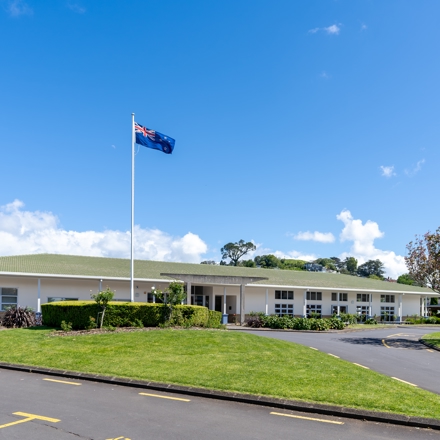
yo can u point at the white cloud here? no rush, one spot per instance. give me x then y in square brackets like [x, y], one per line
[18, 7]
[324, 75]
[363, 235]
[31, 232]
[75, 7]
[416, 169]
[364, 27]
[295, 255]
[322, 237]
[388, 171]
[334, 29]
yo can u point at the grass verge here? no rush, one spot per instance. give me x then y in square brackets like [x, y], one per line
[231, 361]
[432, 338]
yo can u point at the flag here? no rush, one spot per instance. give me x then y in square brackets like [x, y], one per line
[153, 139]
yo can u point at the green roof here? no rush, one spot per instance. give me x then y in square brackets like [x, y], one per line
[99, 267]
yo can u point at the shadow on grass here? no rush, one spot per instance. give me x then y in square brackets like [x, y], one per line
[392, 343]
[39, 328]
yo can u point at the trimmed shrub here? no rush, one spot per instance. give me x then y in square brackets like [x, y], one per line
[120, 314]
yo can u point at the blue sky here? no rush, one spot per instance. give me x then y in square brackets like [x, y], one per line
[308, 127]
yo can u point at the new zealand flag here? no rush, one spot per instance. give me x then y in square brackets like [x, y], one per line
[153, 139]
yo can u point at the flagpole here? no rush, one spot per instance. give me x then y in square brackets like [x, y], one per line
[132, 210]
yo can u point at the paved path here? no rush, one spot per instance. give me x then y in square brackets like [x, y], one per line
[395, 352]
[38, 407]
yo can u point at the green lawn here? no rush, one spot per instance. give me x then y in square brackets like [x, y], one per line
[432, 338]
[222, 360]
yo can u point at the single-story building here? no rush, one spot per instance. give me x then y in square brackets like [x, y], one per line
[30, 280]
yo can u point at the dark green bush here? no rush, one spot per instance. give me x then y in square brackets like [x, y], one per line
[120, 314]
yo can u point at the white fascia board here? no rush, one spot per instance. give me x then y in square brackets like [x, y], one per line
[81, 277]
[342, 289]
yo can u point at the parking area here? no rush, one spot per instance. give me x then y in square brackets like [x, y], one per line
[39, 407]
[395, 352]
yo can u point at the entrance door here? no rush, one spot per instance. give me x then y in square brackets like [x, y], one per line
[218, 303]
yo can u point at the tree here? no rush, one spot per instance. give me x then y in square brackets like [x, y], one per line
[328, 263]
[102, 299]
[175, 294]
[350, 264]
[406, 278]
[423, 260]
[248, 263]
[234, 251]
[212, 262]
[267, 261]
[371, 267]
[291, 264]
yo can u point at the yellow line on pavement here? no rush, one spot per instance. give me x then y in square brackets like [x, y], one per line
[63, 381]
[359, 365]
[431, 351]
[397, 334]
[307, 418]
[404, 381]
[384, 343]
[313, 348]
[333, 355]
[164, 397]
[28, 418]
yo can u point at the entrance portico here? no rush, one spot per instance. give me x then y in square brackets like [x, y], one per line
[210, 280]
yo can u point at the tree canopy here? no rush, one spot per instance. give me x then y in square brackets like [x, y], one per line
[234, 251]
[371, 267]
[423, 260]
[267, 261]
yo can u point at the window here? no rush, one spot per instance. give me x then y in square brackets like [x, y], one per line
[283, 294]
[314, 296]
[342, 309]
[387, 313]
[284, 309]
[387, 298]
[313, 308]
[363, 297]
[52, 299]
[8, 297]
[342, 296]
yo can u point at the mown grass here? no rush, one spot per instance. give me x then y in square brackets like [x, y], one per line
[432, 338]
[221, 360]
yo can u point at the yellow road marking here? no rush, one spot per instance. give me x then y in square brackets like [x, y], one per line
[28, 418]
[384, 343]
[397, 334]
[119, 438]
[431, 351]
[313, 348]
[164, 397]
[359, 365]
[63, 381]
[404, 381]
[333, 355]
[307, 418]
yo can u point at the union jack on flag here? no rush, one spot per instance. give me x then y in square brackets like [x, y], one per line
[153, 139]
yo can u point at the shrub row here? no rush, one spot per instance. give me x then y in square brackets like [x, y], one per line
[287, 322]
[422, 320]
[119, 314]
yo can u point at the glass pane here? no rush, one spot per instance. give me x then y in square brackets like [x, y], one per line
[9, 291]
[9, 299]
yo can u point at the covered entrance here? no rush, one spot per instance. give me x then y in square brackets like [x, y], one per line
[197, 296]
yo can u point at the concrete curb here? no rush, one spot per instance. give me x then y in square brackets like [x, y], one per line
[293, 405]
[434, 347]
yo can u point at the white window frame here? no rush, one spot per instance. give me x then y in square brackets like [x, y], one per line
[390, 313]
[360, 297]
[10, 295]
[387, 299]
[314, 296]
[284, 295]
[282, 309]
[313, 308]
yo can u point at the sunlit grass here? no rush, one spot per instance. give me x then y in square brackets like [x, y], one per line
[221, 360]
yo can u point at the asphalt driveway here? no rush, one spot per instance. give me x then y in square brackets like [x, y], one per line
[394, 352]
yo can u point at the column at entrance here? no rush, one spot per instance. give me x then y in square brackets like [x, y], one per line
[188, 293]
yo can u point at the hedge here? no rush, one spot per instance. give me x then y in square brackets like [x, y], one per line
[125, 314]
